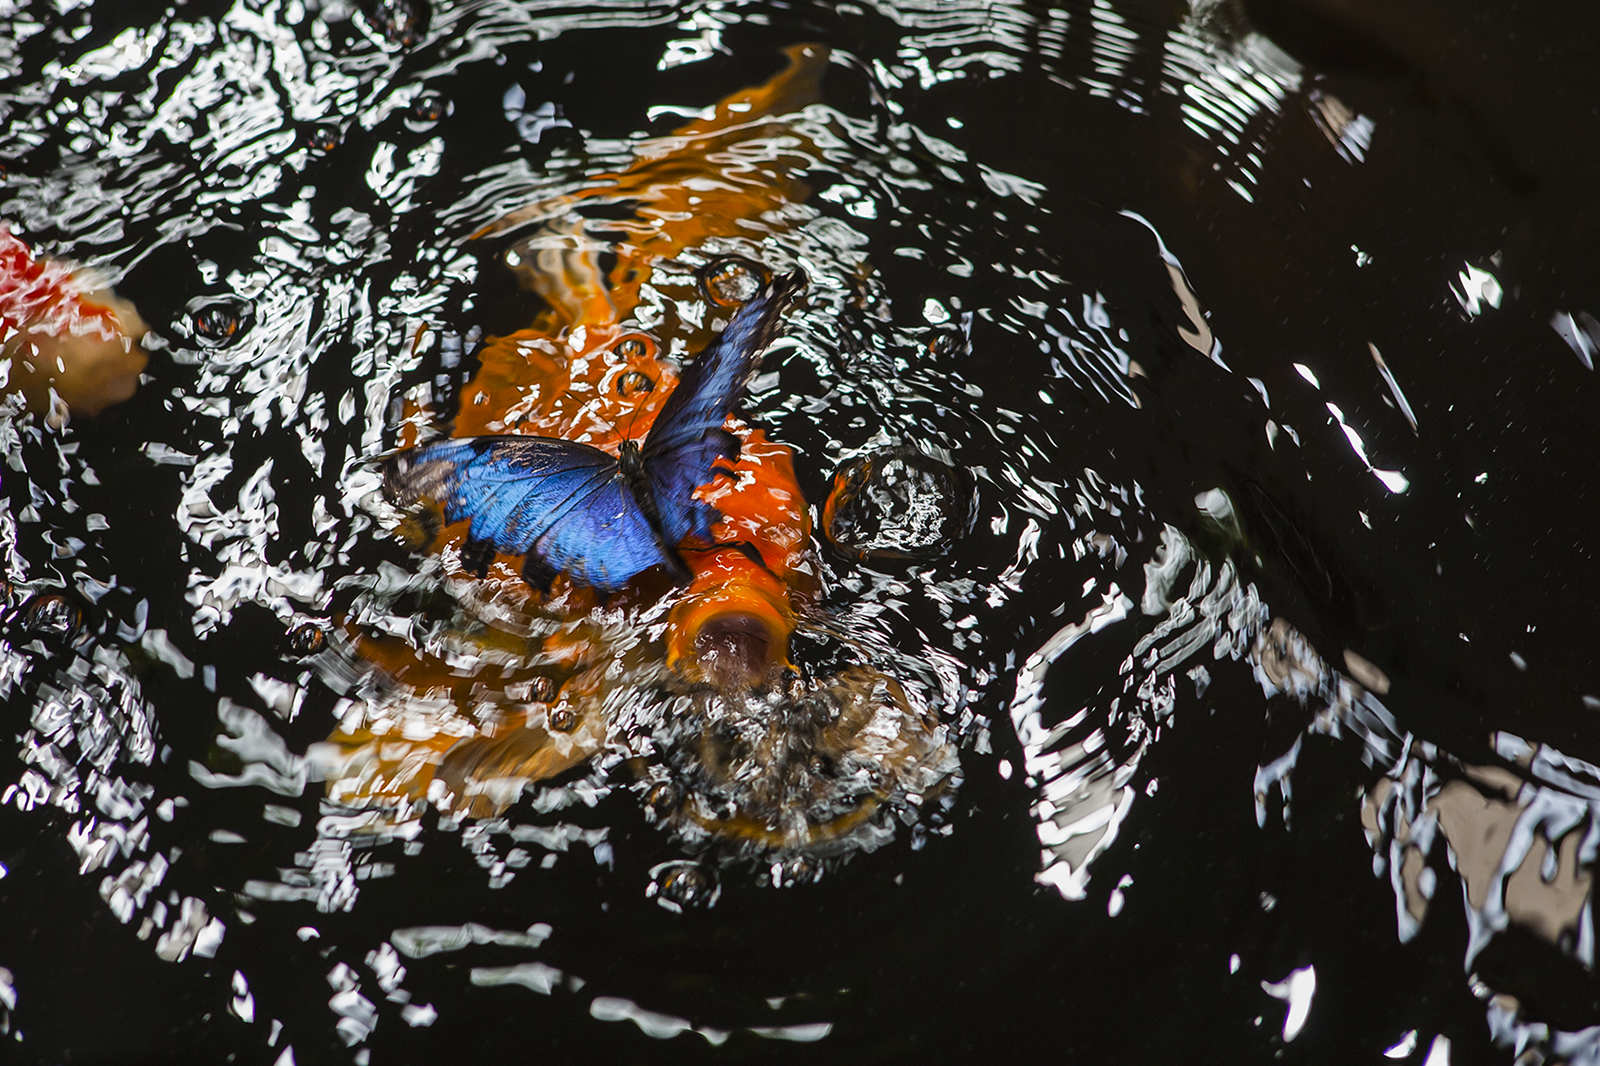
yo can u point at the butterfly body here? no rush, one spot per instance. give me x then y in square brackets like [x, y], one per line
[631, 467]
[569, 507]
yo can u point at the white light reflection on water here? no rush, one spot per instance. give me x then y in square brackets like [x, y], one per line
[1392, 480]
[1113, 47]
[954, 35]
[1199, 337]
[1394, 386]
[1582, 334]
[1403, 1047]
[1520, 837]
[1233, 84]
[1084, 793]
[1296, 990]
[1475, 289]
[1349, 133]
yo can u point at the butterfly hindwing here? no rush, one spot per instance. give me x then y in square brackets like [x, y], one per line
[605, 541]
[675, 475]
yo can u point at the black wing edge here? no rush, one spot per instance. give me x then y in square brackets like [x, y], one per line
[412, 475]
[768, 307]
[428, 472]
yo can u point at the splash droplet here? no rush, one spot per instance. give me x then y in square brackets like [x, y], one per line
[896, 503]
[562, 719]
[798, 870]
[401, 22]
[730, 281]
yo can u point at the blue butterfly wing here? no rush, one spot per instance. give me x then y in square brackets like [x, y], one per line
[560, 503]
[687, 437]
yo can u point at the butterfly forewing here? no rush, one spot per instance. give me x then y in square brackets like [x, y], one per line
[687, 438]
[713, 383]
[560, 500]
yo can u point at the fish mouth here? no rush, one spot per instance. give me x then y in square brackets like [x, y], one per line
[737, 646]
[731, 634]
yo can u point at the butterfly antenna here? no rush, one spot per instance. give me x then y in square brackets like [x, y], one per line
[633, 418]
[592, 409]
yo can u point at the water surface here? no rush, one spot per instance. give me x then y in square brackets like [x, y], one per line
[1261, 338]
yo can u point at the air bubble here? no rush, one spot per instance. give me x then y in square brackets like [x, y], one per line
[663, 798]
[633, 383]
[683, 886]
[322, 137]
[306, 639]
[730, 281]
[630, 348]
[52, 617]
[948, 344]
[426, 110]
[219, 323]
[897, 503]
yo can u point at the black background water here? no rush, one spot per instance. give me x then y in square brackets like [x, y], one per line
[1483, 152]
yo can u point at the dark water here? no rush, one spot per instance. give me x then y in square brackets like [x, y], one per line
[1261, 332]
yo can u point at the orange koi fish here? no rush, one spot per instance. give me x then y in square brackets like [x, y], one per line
[592, 368]
[583, 372]
[67, 344]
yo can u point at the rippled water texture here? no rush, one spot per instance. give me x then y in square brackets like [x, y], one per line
[1184, 640]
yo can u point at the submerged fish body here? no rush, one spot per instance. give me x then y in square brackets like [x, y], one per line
[67, 344]
[754, 753]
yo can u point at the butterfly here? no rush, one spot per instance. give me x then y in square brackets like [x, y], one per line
[570, 508]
